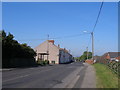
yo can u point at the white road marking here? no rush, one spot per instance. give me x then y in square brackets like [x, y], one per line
[16, 78]
[25, 75]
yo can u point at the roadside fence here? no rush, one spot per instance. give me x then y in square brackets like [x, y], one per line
[112, 64]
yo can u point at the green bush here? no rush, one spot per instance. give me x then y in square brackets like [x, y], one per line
[46, 62]
[42, 63]
[12, 49]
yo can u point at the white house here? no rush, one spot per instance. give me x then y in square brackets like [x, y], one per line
[49, 51]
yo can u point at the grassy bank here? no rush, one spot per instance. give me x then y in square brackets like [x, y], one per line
[105, 77]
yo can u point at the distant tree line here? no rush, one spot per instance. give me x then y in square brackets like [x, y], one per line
[84, 56]
[13, 52]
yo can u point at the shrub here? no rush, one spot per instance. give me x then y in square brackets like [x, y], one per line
[46, 62]
[42, 62]
[12, 49]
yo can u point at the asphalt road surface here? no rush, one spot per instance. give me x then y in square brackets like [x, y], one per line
[74, 75]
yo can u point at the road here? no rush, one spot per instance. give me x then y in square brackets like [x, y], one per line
[74, 75]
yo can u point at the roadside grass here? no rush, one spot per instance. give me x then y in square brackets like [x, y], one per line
[105, 77]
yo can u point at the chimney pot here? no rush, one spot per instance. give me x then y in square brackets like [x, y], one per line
[51, 41]
[59, 45]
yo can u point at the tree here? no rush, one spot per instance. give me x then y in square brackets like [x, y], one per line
[77, 58]
[3, 34]
[84, 56]
[11, 49]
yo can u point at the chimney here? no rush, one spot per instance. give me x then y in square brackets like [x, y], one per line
[51, 41]
[59, 45]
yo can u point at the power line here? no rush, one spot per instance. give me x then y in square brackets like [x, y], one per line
[69, 36]
[98, 16]
[92, 33]
[30, 39]
[76, 34]
[97, 19]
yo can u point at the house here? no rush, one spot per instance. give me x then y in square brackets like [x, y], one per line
[97, 58]
[118, 58]
[49, 51]
[112, 56]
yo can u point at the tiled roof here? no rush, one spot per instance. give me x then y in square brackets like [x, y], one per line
[118, 57]
[64, 50]
[114, 54]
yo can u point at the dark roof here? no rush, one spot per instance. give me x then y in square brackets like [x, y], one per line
[114, 54]
[97, 57]
[64, 50]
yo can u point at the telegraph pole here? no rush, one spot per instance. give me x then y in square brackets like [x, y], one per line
[87, 53]
[92, 45]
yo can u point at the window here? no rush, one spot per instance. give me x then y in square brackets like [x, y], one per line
[53, 62]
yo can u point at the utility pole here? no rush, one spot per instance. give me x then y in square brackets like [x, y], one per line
[47, 46]
[87, 53]
[92, 45]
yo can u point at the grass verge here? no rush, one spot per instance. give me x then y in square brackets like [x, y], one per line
[105, 77]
